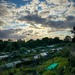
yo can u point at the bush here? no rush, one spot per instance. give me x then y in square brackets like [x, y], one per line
[60, 70]
[66, 52]
[49, 72]
[73, 70]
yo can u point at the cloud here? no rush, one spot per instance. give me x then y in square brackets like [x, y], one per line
[47, 22]
[59, 2]
[33, 14]
[57, 15]
[3, 10]
[2, 23]
[70, 18]
[25, 0]
[6, 14]
[34, 18]
[11, 34]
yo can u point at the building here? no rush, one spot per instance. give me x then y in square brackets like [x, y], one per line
[36, 57]
[25, 59]
[44, 54]
[12, 64]
[51, 46]
[3, 56]
[58, 49]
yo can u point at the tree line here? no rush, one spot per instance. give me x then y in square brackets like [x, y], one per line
[10, 45]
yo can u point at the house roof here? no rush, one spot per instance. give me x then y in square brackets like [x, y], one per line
[4, 56]
[28, 50]
[51, 46]
[36, 57]
[59, 48]
[9, 64]
[53, 49]
[16, 62]
[12, 64]
[43, 54]
[25, 59]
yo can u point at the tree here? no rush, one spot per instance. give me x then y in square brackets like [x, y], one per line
[9, 40]
[67, 39]
[1, 45]
[21, 43]
[22, 49]
[45, 40]
[65, 52]
[50, 41]
[73, 31]
[8, 47]
[56, 40]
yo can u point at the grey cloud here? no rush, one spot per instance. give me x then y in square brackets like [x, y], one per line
[16, 36]
[69, 18]
[54, 30]
[46, 12]
[27, 11]
[2, 23]
[10, 34]
[5, 33]
[30, 31]
[28, 34]
[34, 26]
[3, 10]
[17, 30]
[37, 33]
[33, 18]
[47, 22]
[52, 5]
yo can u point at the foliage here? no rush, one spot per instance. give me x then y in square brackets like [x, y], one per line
[65, 67]
[22, 45]
[23, 49]
[65, 52]
[61, 61]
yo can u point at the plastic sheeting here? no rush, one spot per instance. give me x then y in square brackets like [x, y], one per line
[52, 67]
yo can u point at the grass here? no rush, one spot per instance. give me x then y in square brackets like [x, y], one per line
[60, 60]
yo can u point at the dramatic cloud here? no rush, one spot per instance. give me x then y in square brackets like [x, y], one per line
[47, 22]
[27, 19]
[2, 23]
[33, 18]
[3, 10]
[11, 34]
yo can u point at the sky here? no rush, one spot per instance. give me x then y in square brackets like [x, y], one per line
[36, 19]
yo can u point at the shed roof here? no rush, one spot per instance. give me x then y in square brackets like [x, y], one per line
[25, 59]
[52, 67]
[36, 57]
[43, 54]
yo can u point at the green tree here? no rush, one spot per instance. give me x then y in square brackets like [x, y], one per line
[67, 39]
[73, 31]
[56, 40]
[8, 47]
[45, 40]
[23, 49]
[65, 52]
